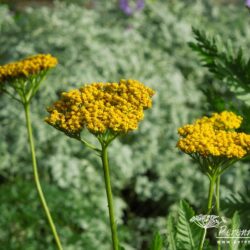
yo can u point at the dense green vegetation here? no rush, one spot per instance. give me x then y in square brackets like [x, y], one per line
[149, 174]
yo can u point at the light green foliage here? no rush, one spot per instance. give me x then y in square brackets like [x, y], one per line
[24, 226]
[147, 171]
[238, 202]
[185, 235]
[234, 245]
[171, 233]
[236, 226]
[188, 234]
[157, 243]
[223, 61]
[229, 63]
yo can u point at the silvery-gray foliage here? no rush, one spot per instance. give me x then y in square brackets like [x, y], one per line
[101, 44]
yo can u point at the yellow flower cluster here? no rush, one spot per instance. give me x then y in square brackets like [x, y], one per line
[100, 107]
[27, 67]
[215, 136]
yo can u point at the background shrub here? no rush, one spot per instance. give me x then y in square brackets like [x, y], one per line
[149, 175]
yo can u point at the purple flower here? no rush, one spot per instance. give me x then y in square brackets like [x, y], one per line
[140, 4]
[248, 3]
[126, 8]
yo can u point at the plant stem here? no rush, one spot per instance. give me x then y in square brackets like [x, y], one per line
[218, 195]
[209, 208]
[104, 156]
[89, 145]
[203, 239]
[218, 201]
[210, 194]
[36, 177]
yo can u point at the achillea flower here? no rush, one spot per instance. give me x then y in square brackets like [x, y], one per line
[27, 67]
[101, 107]
[106, 110]
[21, 80]
[215, 145]
[215, 137]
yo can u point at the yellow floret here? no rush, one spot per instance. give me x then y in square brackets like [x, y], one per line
[27, 67]
[102, 106]
[215, 136]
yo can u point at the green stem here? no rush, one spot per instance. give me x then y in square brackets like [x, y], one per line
[218, 200]
[104, 156]
[209, 208]
[210, 194]
[89, 145]
[36, 177]
[203, 239]
[218, 195]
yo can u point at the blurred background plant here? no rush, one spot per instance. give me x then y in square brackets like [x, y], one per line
[97, 41]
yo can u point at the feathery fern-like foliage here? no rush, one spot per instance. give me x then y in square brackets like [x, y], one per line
[223, 60]
[229, 86]
[185, 235]
[238, 202]
[188, 234]
[171, 233]
[157, 243]
[235, 225]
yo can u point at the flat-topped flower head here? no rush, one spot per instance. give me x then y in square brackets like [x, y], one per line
[27, 67]
[226, 120]
[215, 136]
[101, 107]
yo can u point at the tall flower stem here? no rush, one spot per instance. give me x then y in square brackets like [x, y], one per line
[218, 195]
[209, 207]
[218, 200]
[36, 177]
[105, 163]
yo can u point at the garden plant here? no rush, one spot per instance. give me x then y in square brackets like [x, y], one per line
[21, 80]
[153, 172]
[215, 145]
[107, 110]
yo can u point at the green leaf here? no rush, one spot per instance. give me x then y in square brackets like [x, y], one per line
[188, 234]
[171, 233]
[224, 61]
[121, 247]
[233, 243]
[238, 202]
[235, 226]
[157, 243]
